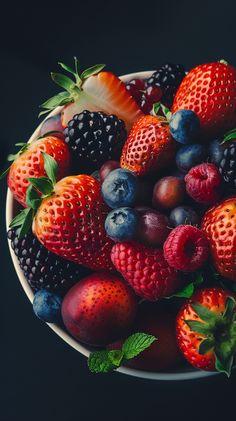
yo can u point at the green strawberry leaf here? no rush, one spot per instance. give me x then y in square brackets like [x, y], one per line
[5, 173]
[42, 184]
[137, 343]
[205, 346]
[23, 220]
[92, 71]
[230, 306]
[229, 136]
[99, 362]
[198, 327]
[156, 108]
[67, 68]
[204, 313]
[189, 289]
[63, 81]
[224, 366]
[223, 61]
[19, 219]
[55, 101]
[32, 198]
[51, 167]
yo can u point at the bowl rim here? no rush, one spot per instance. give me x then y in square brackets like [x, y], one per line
[188, 374]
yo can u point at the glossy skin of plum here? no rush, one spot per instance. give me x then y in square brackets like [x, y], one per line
[183, 215]
[168, 193]
[99, 309]
[153, 227]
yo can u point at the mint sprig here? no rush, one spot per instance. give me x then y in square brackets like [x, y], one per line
[71, 86]
[105, 361]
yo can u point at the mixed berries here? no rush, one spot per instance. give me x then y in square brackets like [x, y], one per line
[128, 197]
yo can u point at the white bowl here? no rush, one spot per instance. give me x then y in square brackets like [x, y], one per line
[184, 374]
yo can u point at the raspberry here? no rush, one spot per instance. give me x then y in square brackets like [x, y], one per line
[146, 270]
[203, 183]
[186, 248]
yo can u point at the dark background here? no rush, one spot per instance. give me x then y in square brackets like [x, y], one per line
[41, 378]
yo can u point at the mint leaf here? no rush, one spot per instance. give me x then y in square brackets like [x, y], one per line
[137, 343]
[92, 71]
[42, 184]
[99, 362]
[115, 356]
[32, 198]
[51, 167]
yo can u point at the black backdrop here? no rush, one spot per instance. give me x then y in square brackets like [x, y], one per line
[41, 378]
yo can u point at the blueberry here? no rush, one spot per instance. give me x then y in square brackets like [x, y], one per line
[216, 151]
[121, 224]
[47, 306]
[184, 126]
[189, 156]
[183, 215]
[119, 188]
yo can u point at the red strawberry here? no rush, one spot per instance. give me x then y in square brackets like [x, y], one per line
[219, 225]
[99, 309]
[210, 91]
[70, 222]
[30, 163]
[146, 270]
[93, 91]
[149, 146]
[206, 331]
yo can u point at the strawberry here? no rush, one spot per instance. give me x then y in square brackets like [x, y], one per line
[28, 162]
[68, 218]
[92, 90]
[145, 269]
[219, 225]
[149, 146]
[210, 91]
[206, 330]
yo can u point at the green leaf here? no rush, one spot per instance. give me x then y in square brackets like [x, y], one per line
[229, 136]
[55, 101]
[51, 167]
[77, 65]
[42, 184]
[224, 366]
[205, 346]
[116, 356]
[19, 219]
[203, 312]
[67, 68]
[230, 306]
[189, 289]
[27, 223]
[5, 173]
[63, 81]
[167, 113]
[198, 327]
[137, 343]
[223, 61]
[92, 71]
[98, 362]
[156, 108]
[32, 198]
[20, 144]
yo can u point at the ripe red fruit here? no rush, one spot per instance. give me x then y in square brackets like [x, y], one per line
[106, 168]
[146, 270]
[149, 146]
[168, 193]
[210, 91]
[163, 354]
[203, 183]
[70, 222]
[31, 164]
[205, 330]
[99, 309]
[219, 225]
[186, 248]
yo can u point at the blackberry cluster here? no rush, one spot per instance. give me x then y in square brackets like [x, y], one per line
[95, 137]
[227, 165]
[168, 78]
[42, 268]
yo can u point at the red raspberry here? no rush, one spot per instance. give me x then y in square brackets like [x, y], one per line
[186, 248]
[203, 183]
[146, 270]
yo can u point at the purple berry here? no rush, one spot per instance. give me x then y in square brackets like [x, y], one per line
[153, 227]
[183, 215]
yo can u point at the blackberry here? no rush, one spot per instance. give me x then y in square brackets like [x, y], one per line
[168, 77]
[94, 137]
[227, 165]
[42, 268]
